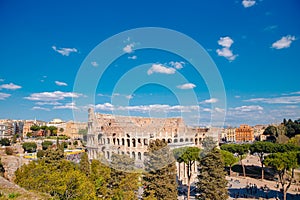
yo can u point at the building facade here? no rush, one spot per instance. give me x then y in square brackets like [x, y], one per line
[244, 133]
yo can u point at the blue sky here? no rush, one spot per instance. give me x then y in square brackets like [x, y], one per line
[254, 45]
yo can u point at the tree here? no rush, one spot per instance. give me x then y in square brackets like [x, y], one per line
[159, 178]
[84, 164]
[124, 179]
[261, 148]
[284, 164]
[240, 149]
[46, 144]
[61, 130]
[60, 179]
[53, 130]
[2, 169]
[211, 177]
[5, 142]
[229, 159]
[189, 156]
[29, 147]
[35, 128]
[100, 176]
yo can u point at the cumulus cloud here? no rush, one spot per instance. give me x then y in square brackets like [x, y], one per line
[94, 64]
[128, 48]
[52, 96]
[64, 51]
[212, 100]
[226, 52]
[10, 86]
[277, 100]
[159, 68]
[4, 96]
[284, 42]
[177, 65]
[186, 86]
[248, 108]
[40, 108]
[248, 3]
[225, 42]
[61, 83]
[71, 106]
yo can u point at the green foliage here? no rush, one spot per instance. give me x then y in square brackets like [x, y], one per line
[75, 143]
[211, 177]
[64, 145]
[13, 195]
[5, 142]
[53, 130]
[52, 156]
[124, 180]
[160, 176]
[9, 151]
[35, 128]
[284, 164]
[100, 176]
[61, 130]
[29, 147]
[84, 165]
[46, 144]
[40, 154]
[59, 178]
[229, 159]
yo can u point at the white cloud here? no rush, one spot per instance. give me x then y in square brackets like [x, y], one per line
[177, 65]
[1, 79]
[225, 42]
[128, 48]
[219, 110]
[105, 107]
[3, 96]
[40, 108]
[277, 100]
[54, 103]
[10, 86]
[159, 68]
[248, 108]
[146, 108]
[71, 106]
[61, 83]
[212, 100]
[186, 86]
[248, 3]
[284, 42]
[226, 52]
[52, 96]
[64, 51]
[132, 57]
[94, 64]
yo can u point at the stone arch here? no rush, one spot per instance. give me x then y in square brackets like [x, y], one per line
[186, 139]
[128, 142]
[108, 141]
[169, 140]
[133, 142]
[145, 142]
[114, 141]
[196, 141]
[181, 140]
[139, 156]
[133, 155]
[123, 142]
[175, 140]
[118, 141]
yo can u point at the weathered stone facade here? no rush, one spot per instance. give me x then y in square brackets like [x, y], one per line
[108, 134]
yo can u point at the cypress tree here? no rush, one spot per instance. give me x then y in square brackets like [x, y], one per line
[159, 179]
[211, 177]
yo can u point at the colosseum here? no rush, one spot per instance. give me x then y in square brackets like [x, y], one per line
[108, 134]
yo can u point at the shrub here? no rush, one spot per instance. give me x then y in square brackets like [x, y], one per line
[5, 142]
[46, 144]
[40, 154]
[13, 195]
[9, 151]
[30, 147]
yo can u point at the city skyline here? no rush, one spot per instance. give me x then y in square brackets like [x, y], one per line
[254, 45]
